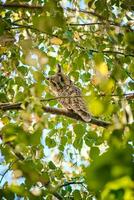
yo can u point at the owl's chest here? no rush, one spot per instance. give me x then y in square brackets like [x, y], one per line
[68, 96]
[69, 90]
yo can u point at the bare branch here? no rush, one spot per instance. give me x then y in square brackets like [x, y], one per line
[57, 111]
[10, 106]
[18, 6]
[70, 114]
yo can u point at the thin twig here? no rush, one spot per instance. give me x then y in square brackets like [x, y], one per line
[71, 183]
[105, 51]
[57, 195]
[18, 20]
[93, 13]
[116, 52]
[18, 26]
[99, 23]
[11, 164]
[129, 75]
[126, 95]
[88, 24]
[6, 106]
[21, 158]
[84, 11]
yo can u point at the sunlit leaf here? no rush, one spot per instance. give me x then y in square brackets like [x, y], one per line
[56, 41]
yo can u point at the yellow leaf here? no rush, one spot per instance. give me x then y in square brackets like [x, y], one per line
[107, 85]
[56, 41]
[10, 138]
[96, 107]
[76, 35]
[2, 49]
[102, 68]
[5, 120]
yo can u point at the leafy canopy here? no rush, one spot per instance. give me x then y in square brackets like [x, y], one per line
[45, 156]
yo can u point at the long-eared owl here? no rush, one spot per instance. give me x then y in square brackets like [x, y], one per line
[62, 86]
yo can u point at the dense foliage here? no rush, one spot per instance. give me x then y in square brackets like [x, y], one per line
[48, 156]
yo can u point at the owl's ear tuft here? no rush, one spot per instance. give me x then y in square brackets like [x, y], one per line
[59, 68]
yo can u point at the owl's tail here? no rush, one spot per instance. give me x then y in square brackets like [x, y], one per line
[84, 115]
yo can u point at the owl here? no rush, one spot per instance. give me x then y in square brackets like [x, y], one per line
[71, 97]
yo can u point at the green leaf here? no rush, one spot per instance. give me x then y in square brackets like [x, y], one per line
[90, 138]
[129, 38]
[78, 143]
[51, 165]
[77, 195]
[85, 77]
[94, 152]
[23, 70]
[10, 132]
[51, 18]
[79, 130]
[50, 142]
[111, 165]
[3, 97]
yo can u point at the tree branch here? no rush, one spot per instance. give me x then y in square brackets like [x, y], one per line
[88, 24]
[20, 157]
[18, 26]
[100, 17]
[57, 111]
[100, 23]
[105, 51]
[72, 115]
[125, 95]
[10, 166]
[18, 6]
[81, 47]
[84, 11]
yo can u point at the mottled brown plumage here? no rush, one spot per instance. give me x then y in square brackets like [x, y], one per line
[61, 85]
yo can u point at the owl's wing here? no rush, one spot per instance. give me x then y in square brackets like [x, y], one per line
[77, 104]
